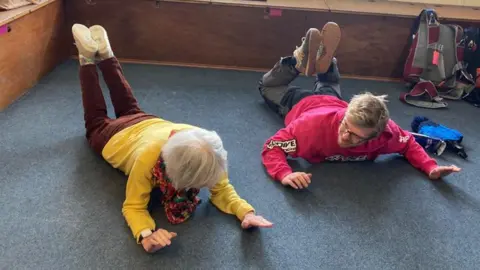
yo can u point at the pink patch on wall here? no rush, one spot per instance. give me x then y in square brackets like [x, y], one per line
[4, 29]
[275, 12]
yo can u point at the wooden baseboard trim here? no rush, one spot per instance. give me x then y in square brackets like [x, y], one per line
[368, 78]
[161, 63]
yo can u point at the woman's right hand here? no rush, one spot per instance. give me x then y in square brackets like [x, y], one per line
[157, 240]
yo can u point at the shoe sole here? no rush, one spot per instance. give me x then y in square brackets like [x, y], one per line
[78, 34]
[331, 36]
[101, 33]
[315, 38]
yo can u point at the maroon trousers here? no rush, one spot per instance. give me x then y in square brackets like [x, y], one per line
[99, 127]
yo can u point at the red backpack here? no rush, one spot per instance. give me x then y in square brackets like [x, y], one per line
[434, 68]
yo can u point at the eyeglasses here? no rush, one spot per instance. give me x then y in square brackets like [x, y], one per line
[358, 138]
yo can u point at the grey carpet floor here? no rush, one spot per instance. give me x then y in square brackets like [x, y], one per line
[61, 204]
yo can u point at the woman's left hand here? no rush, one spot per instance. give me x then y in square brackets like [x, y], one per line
[252, 220]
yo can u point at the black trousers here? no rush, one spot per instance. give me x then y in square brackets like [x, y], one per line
[276, 89]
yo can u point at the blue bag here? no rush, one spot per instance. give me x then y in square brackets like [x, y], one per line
[433, 136]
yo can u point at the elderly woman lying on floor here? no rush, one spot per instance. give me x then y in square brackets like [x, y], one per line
[179, 159]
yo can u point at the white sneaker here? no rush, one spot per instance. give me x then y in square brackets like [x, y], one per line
[99, 35]
[87, 47]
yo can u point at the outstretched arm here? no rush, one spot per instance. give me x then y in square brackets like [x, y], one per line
[137, 196]
[226, 199]
[405, 144]
[275, 151]
[274, 158]
[135, 211]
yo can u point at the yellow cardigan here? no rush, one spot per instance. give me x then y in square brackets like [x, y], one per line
[135, 151]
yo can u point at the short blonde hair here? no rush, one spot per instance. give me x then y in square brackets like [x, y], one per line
[194, 158]
[368, 111]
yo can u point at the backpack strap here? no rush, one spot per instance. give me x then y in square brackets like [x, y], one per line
[416, 62]
[424, 95]
[429, 14]
[461, 65]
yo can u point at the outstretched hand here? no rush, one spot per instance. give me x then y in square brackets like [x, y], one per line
[251, 220]
[158, 240]
[297, 180]
[442, 171]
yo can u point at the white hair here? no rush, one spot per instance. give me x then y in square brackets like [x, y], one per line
[194, 158]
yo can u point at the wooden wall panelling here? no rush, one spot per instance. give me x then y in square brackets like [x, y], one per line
[35, 45]
[240, 36]
[194, 33]
[373, 46]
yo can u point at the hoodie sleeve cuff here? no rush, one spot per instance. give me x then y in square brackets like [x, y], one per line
[429, 166]
[282, 174]
[243, 211]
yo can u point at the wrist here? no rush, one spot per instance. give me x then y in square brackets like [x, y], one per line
[144, 234]
[283, 174]
[250, 213]
[430, 166]
[430, 169]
